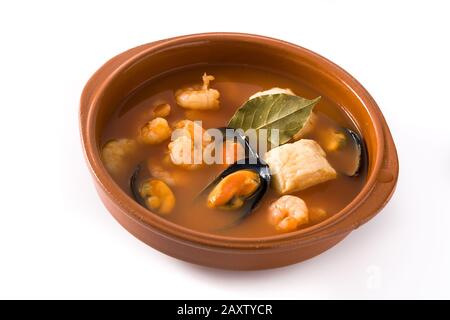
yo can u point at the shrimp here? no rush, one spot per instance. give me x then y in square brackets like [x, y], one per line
[199, 98]
[227, 154]
[161, 173]
[185, 154]
[167, 173]
[116, 153]
[161, 110]
[193, 131]
[158, 196]
[288, 213]
[188, 141]
[232, 152]
[155, 131]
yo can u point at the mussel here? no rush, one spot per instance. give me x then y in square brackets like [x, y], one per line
[151, 193]
[242, 185]
[136, 179]
[359, 151]
[234, 189]
[352, 148]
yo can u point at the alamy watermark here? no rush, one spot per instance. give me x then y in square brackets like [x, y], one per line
[192, 144]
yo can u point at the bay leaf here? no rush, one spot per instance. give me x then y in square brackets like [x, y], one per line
[287, 113]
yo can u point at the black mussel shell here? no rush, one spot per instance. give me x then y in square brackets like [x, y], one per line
[250, 203]
[251, 162]
[359, 154]
[136, 178]
[260, 168]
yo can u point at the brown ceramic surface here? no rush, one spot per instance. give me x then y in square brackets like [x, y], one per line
[127, 71]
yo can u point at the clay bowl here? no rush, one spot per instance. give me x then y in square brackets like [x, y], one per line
[127, 71]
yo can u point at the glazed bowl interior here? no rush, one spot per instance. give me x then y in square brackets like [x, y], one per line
[297, 63]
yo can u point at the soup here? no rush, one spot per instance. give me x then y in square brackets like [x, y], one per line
[313, 175]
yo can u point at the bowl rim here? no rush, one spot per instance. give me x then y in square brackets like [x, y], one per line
[164, 227]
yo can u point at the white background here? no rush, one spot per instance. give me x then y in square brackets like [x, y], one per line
[58, 241]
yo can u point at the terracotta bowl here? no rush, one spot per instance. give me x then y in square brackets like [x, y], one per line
[124, 73]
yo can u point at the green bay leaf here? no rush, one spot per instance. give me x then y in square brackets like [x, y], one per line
[287, 113]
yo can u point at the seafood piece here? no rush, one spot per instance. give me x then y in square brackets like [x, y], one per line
[185, 154]
[297, 166]
[232, 152]
[334, 140]
[199, 97]
[161, 110]
[358, 149]
[233, 190]
[188, 141]
[157, 196]
[352, 148]
[288, 213]
[155, 131]
[193, 130]
[252, 164]
[168, 173]
[226, 153]
[116, 153]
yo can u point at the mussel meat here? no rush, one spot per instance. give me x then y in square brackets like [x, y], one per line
[232, 191]
[151, 193]
[358, 152]
[352, 148]
[241, 185]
